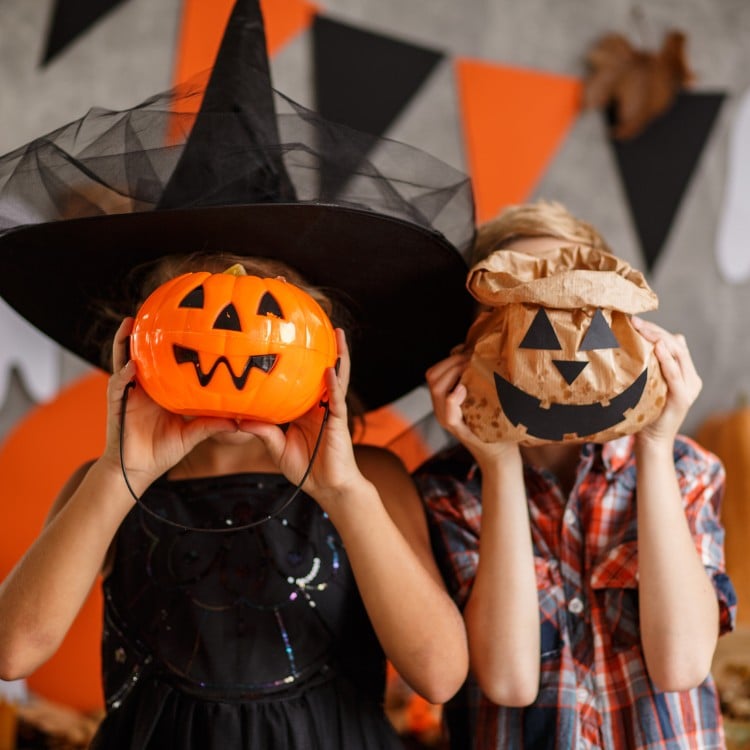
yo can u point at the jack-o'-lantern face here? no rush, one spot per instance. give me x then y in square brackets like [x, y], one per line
[236, 346]
[574, 371]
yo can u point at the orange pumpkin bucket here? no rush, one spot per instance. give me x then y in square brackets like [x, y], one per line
[232, 345]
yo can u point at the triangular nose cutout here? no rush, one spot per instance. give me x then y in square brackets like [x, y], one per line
[228, 319]
[569, 370]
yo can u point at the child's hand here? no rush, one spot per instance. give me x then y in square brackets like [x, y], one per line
[683, 382]
[447, 395]
[155, 439]
[334, 468]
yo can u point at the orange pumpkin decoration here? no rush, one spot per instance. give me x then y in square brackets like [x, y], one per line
[235, 346]
[728, 436]
[557, 358]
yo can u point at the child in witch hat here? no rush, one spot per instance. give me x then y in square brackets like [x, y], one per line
[273, 633]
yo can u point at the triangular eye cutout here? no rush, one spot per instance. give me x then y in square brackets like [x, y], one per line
[269, 306]
[540, 335]
[599, 335]
[228, 319]
[194, 298]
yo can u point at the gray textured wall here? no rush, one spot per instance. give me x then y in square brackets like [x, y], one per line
[127, 56]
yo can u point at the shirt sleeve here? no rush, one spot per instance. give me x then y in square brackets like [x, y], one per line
[454, 515]
[701, 477]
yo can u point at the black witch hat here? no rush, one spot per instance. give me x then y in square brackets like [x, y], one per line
[228, 164]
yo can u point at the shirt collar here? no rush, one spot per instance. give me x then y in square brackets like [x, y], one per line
[615, 454]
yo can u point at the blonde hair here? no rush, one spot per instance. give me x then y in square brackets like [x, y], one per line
[539, 219]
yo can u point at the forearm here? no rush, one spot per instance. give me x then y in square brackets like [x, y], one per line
[502, 614]
[678, 608]
[42, 595]
[417, 623]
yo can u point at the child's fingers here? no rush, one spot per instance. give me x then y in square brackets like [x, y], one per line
[453, 413]
[344, 363]
[119, 380]
[271, 435]
[670, 367]
[116, 386]
[677, 366]
[335, 392]
[686, 363]
[673, 347]
[444, 376]
[120, 354]
[198, 430]
[439, 368]
[653, 333]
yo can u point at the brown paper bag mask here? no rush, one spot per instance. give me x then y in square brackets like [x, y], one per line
[556, 358]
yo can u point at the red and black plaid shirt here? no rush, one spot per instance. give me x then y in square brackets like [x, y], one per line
[594, 691]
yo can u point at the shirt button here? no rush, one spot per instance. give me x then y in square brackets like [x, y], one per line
[569, 517]
[582, 695]
[575, 605]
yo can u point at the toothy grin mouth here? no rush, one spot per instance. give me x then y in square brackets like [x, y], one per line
[184, 355]
[559, 420]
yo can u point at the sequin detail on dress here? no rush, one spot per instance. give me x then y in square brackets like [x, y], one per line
[263, 626]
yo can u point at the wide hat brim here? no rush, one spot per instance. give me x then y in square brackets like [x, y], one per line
[403, 284]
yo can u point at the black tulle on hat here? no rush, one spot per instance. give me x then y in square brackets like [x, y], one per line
[228, 164]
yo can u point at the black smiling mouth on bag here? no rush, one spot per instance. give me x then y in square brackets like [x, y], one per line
[559, 420]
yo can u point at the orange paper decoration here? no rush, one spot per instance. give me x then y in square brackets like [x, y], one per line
[514, 121]
[203, 25]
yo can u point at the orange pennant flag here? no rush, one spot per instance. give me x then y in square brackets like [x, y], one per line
[514, 120]
[285, 19]
[203, 24]
[388, 427]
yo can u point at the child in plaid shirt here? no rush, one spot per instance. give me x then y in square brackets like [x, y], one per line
[591, 576]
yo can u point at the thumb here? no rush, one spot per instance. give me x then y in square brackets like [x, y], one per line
[198, 430]
[271, 435]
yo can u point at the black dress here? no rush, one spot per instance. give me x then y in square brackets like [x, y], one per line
[255, 638]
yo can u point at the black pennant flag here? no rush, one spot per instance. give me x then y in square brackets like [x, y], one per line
[363, 79]
[70, 19]
[656, 166]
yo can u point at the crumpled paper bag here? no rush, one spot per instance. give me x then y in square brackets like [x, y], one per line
[556, 357]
